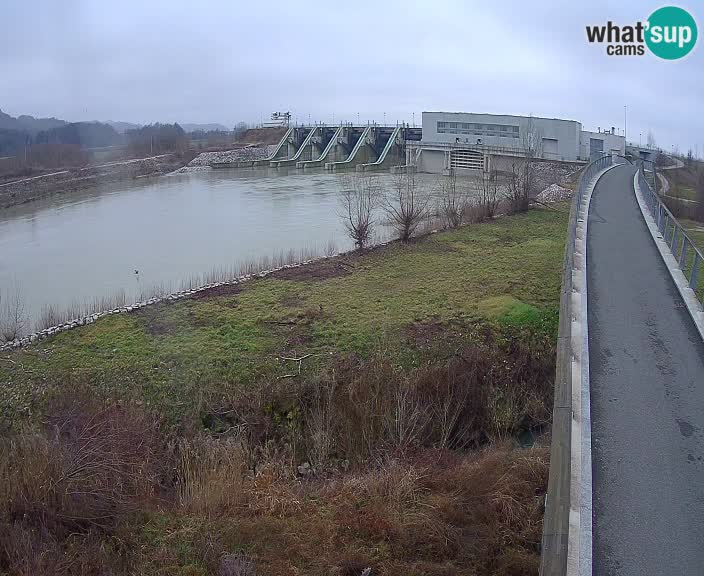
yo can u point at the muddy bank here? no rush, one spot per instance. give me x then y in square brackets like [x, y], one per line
[28, 189]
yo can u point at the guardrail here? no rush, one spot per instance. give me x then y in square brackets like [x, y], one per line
[688, 256]
[556, 521]
[492, 149]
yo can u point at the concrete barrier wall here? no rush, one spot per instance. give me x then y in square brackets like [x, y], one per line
[566, 541]
[553, 559]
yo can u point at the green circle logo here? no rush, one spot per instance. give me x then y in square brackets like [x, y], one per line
[670, 32]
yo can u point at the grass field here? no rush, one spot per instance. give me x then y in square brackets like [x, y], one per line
[363, 411]
[695, 230]
[170, 354]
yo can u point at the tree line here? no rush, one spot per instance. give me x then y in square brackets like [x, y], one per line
[70, 144]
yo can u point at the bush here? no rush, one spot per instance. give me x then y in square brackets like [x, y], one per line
[361, 408]
[69, 485]
[406, 206]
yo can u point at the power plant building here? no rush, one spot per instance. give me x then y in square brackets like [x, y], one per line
[468, 141]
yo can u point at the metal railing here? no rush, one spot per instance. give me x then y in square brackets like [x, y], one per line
[556, 521]
[491, 149]
[683, 248]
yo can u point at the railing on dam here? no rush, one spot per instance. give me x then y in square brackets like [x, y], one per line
[492, 149]
[685, 251]
[559, 535]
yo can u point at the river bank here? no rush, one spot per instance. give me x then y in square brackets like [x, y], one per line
[72, 180]
[304, 413]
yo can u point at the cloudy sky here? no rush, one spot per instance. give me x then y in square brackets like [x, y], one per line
[229, 60]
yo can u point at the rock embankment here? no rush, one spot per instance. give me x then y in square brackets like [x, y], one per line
[554, 193]
[235, 155]
[28, 189]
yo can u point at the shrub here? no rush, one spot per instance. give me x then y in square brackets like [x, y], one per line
[71, 483]
[406, 206]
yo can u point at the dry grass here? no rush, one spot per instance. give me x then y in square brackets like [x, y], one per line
[369, 466]
[210, 475]
[67, 488]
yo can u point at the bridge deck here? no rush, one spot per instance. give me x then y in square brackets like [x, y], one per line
[647, 391]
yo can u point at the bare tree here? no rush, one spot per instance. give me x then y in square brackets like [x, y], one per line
[406, 205]
[690, 158]
[454, 199]
[489, 195]
[650, 140]
[12, 317]
[358, 199]
[522, 181]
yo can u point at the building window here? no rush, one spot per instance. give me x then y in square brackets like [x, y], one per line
[475, 129]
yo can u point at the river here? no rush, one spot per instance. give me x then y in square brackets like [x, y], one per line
[132, 238]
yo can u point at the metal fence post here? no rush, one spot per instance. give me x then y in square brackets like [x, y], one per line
[683, 255]
[695, 271]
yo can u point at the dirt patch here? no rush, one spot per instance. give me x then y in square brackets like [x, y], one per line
[292, 301]
[434, 333]
[322, 270]
[270, 135]
[154, 319]
[226, 290]
[298, 340]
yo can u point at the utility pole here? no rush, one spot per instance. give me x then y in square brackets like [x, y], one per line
[625, 106]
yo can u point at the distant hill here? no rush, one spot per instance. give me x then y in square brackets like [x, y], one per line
[33, 126]
[18, 133]
[205, 127]
[28, 124]
[123, 127]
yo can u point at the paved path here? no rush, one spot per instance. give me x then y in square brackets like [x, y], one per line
[647, 385]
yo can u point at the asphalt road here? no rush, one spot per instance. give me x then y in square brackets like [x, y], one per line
[647, 391]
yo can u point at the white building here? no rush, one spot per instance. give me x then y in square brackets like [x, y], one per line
[468, 141]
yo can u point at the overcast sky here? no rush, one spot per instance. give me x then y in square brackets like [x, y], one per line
[226, 61]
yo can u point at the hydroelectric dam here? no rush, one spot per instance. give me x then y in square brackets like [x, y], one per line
[334, 148]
